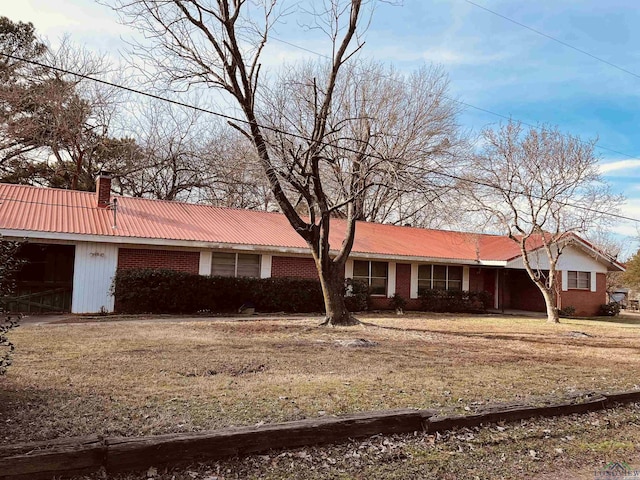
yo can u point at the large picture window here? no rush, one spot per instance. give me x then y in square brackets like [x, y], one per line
[439, 277]
[374, 274]
[579, 280]
[235, 265]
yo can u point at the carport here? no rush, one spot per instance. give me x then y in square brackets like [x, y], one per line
[45, 282]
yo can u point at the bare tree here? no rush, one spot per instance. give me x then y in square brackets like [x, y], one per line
[219, 44]
[320, 148]
[239, 181]
[387, 134]
[539, 186]
[167, 163]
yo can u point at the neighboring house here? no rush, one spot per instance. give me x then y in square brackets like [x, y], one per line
[78, 240]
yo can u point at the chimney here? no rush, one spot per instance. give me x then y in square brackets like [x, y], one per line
[103, 189]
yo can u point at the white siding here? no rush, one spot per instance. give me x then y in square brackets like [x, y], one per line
[571, 259]
[348, 269]
[391, 279]
[465, 279]
[414, 281]
[265, 265]
[204, 267]
[94, 267]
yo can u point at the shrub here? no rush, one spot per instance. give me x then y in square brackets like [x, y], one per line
[609, 309]
[454, 301]
[568, 311]
[10, 264]
[356, 297]
[168, 291]
[6, 347]
[398, 302]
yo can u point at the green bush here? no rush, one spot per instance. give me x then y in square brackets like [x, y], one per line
[357, 298]
[10, 265]
[609, 309]
[168, 291]
[398, 302]
[454, 301]
[568, 311]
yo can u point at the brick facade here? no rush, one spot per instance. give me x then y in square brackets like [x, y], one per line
[403, 280]
[294, 267]
[518, 291]
[181, 261]
[103, 190]
[586, 302]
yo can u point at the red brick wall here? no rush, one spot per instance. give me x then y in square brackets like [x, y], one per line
[403, 280]
[103, 190]
[586, 302]
[297, 267]
[180, 261]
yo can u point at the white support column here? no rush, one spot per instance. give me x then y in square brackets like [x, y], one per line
[94, 266]
[565, 280]
[414, 281]
[391, 280]
[496, 294]
[594, 285]
[348, 268]
[205, 262]
[465, 279]
[265, 266]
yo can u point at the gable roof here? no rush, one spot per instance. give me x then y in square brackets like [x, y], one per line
[27, 209]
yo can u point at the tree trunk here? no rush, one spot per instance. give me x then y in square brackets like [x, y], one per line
[553, 316]
[332, 281]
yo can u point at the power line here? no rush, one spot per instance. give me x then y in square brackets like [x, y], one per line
[557, 40]
[466, 104]
[234, 119]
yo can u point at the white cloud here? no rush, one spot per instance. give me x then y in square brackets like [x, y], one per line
[619, 165]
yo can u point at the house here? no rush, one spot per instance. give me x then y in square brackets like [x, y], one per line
[78, 240]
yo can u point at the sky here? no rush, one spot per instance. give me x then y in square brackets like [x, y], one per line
[499, 69]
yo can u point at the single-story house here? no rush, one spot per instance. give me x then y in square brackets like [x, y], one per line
[78, 240]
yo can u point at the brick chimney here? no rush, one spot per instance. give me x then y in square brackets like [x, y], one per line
[103, 189]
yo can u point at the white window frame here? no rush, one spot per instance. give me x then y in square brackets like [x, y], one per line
[235, 264]
[573, 280]
[432, 265]
[369, 276]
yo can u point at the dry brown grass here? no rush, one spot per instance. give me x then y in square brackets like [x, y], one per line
[142, 378]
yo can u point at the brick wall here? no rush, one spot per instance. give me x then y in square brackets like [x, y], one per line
[296, 267]
[403, 280]
[181, 261]
[587, 302]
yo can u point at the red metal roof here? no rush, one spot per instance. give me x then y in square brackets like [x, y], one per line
[70, 212]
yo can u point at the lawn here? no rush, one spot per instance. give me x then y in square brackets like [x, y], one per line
[144, 377]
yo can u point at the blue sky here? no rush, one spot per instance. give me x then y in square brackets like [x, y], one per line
[493, 63]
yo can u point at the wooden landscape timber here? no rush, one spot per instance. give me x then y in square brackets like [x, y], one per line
[66, 457]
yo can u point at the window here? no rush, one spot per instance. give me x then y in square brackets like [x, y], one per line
[439, 277]
[579, 280]
[373, 274]
[235, 265]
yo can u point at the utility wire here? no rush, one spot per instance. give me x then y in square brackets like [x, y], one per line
[480, 109]
[239, 120]
[557, 40]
